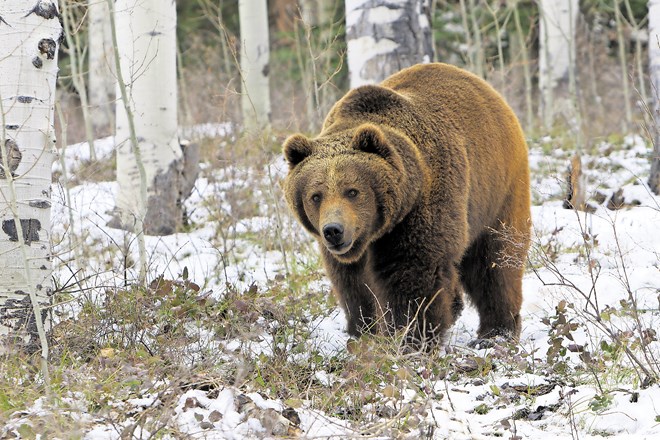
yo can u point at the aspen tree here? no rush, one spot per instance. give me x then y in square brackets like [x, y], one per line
[151, 163]
[101, 78]
[654, 74]
[558, 22]
[384, 37]
[255, 54]
[30, 31]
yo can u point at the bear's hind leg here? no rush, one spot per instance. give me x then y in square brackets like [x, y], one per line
[491, 272]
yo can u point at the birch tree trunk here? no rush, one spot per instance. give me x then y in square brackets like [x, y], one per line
[654, 74]
[477, 55]
[309, 12]
[623, 62]
[30, 33]
[255, 53]
[101, 78]
[318, 53]
[385, 36]
[330, 46]
[152, 174]
[519, 41]
[558, 22]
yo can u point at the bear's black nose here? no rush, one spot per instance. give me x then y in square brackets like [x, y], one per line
[333, 233]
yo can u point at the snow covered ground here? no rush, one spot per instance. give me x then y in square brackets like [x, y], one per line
[592, 279]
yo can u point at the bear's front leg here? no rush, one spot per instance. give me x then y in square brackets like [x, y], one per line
[353, 292]
[418, 293]
[424, 313]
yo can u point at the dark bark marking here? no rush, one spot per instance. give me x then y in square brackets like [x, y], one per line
[36, 62]
[414, 41]
[165, 211]
[2, 20]
[48, 47]
[12, 126]
[19, 310]
[31, 228]
[18, 315]
[25, 99]
[44, 9]
[14, 157]
[43, 204]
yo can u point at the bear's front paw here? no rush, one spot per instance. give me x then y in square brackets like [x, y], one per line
[484, 343]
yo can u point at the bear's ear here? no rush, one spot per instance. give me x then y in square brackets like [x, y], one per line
[296, 148]
[370, 139]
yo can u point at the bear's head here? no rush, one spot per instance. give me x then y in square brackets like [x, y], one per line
[348, 188]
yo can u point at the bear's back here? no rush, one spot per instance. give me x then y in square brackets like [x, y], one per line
[438, 97]
[446, 93]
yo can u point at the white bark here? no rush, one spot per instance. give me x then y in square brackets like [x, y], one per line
[558, 24]
[328, 66]
[309, 12]
[146, 43]
[384, 37]
[30, 33]
[519, 41]
[654, 74]
[255, 54]
[101, 79]
[477, 55]
[318, 56]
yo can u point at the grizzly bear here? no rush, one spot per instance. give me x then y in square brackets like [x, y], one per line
[418, 189]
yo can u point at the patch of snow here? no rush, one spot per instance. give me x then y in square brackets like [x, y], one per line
[329, 333]
[75, 154]
[207, 130]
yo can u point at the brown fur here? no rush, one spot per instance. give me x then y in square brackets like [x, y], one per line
[426, 177]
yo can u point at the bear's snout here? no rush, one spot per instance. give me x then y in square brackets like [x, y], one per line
[338, 239]
[333, 233]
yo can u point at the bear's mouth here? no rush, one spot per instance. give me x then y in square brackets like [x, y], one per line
[339, 249]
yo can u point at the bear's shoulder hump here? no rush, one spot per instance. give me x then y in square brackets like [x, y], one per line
[371, 99]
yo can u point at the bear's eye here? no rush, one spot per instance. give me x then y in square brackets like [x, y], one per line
[316, 198]
[352, 193]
